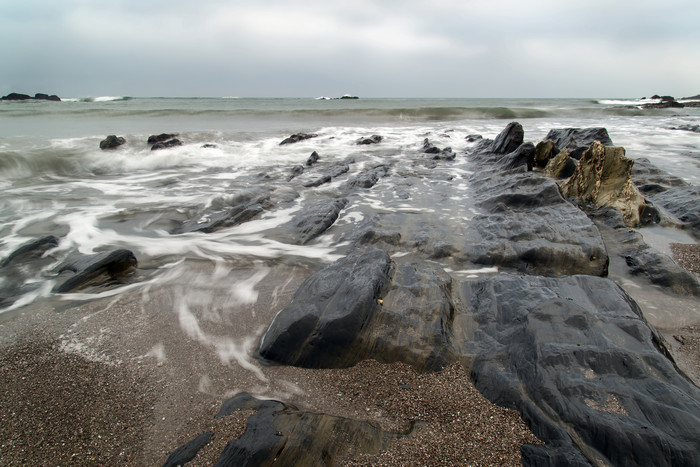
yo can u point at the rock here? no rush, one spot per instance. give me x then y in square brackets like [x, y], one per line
[95, 270]
[692, 128]
[603, 177]
[166, 144]
[245, 207]
[188, 451]
[313, 158]
[509, 139]
[683, 202]
[369, 178]
[208, 146]
[295, 138]
[528, 227]
[280, 434]
[574, 356]
[161, 138]
[446, 154]
[651, 180]
[14, 96]
[374, 139]
[34, 249]
[629, 249]
[544, 152]
[518, 158]
[666, 102]
[111, 142]
[429, 148]
[296, 171]
[473, 138]
[348, 96]
[318, 181]
[578, 140]
[46, 97]
[313, 220]
[561, 166]
[327, 313]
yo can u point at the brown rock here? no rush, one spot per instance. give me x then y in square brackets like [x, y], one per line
[544, 152]
[603, 177]
[561, 166]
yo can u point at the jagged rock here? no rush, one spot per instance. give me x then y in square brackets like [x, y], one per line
[473, 138]
[544, 152]
[603, 177]
[509, 139]
[171, 143]
[518, 158]
[374, 139]
[446, 154]
[94, 270]
[318, 181]
[280, 434]
[666, 102]
[295, 138]
[429, 148]
[111, 142]
[560, 166]
[161, 138]
[578, 140]
[313, 158]
[313, 220]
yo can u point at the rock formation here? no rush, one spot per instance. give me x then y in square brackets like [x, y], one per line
[603, 177]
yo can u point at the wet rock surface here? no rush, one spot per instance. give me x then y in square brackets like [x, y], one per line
[92, 270]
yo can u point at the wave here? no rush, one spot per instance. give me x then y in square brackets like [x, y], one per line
[97, 99]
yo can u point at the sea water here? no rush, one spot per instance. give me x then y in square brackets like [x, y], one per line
[54, 178]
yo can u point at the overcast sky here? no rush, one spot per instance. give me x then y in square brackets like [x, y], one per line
[371, 48]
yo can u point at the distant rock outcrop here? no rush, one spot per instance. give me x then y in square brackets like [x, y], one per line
[40, 96]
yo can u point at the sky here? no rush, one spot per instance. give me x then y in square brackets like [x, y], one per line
[369, 48]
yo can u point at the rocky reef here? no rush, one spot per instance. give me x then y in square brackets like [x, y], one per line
[541, 327]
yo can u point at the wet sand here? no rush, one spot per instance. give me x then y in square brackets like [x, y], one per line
[128, 380]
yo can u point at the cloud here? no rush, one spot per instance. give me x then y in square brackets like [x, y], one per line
[273, 48]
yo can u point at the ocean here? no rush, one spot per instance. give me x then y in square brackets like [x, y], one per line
[55, 179]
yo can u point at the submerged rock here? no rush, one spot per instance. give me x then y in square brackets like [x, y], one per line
[95, 270]
[603, 177]
[281, 434]
[313, 220]
[374, 139]
[32, 250]
[171, 143]
[313, 158]
[161, 138]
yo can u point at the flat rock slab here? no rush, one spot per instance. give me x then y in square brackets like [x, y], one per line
[574, 356]
[281, 434]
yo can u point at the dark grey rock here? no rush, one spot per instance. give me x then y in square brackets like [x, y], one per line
[171, 143]
[577, 140]
[244, 207]
[374, 139]
[95, 270]
[429, 148]
[14, 96]
[295, 138]
[684, 204]
[328, 312]
[313, 220]
[280, 434]
[313, 158]
[188, 451]
[111, 142]
[574, 356]
[322, 180]
[369, 178]
[509, 139]
[161, 138]
[31, 250]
